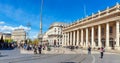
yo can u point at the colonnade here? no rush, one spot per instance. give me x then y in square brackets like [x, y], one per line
[85, 37]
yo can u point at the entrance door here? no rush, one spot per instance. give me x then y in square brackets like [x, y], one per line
[54, 42]
[111, 42]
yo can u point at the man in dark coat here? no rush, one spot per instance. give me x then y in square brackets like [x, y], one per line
[40, 49]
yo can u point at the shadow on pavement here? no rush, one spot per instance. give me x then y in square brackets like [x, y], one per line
[7, 48]
[68, 62]
[3, 55]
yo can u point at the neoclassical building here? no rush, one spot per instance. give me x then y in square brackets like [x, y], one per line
[5, 35]
[19, 35]
[54, 34]
[100, 29]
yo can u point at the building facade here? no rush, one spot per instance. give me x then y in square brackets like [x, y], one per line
[1, 34]
[97, 30]
[54, 35]
[19, 35]
[5, 35]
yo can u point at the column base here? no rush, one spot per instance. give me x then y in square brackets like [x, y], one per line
[108, 48]
[117, 48]
[95, 47]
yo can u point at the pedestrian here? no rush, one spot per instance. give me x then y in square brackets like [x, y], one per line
[89, 50]
[35, 49]
[40, 49]
[101, 52]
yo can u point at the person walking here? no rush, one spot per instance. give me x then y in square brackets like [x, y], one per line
[40, 49]
[89, 50]
[35, 49]
[101, 52]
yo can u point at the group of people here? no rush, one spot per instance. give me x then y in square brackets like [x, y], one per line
[39, 48]
[26, 46]
[102, 50]
[7, 45]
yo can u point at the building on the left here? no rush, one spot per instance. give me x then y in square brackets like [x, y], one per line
[19, 35]
[6, 36]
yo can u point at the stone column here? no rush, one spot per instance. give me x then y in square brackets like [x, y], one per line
[65, 39]
[68, 39]
[87, 37]
[117, 34]
[99, 35]
[92, 38]
[71, 38]
[74, 38]
[78, 36]
[107, 34]
[82, 37]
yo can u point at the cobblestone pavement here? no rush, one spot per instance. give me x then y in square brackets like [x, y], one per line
[58, 55]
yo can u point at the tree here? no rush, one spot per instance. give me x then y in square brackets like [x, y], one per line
[30, 41]
[35, 41]
[8, 40]
[1, 40]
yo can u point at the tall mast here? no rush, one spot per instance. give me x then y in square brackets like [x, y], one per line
[40, 36]
[41, 17]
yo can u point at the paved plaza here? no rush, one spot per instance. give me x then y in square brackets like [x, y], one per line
[58, 55]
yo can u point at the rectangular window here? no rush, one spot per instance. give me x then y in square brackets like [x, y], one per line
[96, 33]
[55, 29]
[102, 31]
[110, 30]
[90, 33]
[119, 28]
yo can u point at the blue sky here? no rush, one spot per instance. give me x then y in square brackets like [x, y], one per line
[17, 13]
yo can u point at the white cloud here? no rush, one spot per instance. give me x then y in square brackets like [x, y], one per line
[1, 22]
[23, 27]
[35, 36]
[10, 28]
[6, 28]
